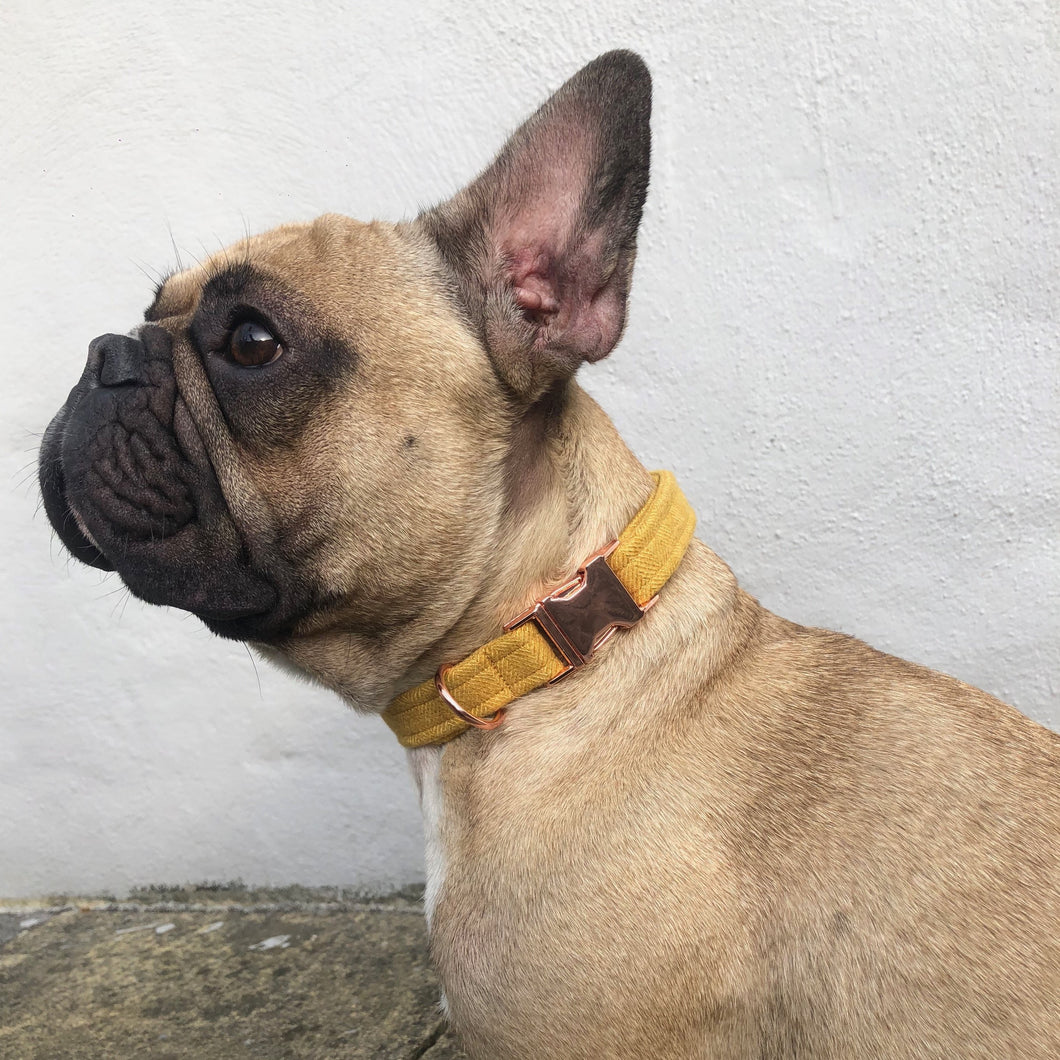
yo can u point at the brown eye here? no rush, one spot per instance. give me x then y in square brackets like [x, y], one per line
[252, 346]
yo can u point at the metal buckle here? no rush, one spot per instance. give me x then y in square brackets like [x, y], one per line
[584, 613]
[575, 619]
[443, 690]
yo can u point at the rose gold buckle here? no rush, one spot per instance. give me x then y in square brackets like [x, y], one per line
[585, 612]
[443, 690]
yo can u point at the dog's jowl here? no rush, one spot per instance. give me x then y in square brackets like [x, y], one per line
[661, 821]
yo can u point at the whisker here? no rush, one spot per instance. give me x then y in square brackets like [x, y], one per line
[29, 465]
[176, 249]
[27, 481]
[155, 277]
[253, 662]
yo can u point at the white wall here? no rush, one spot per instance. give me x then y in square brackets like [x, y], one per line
[843, 339]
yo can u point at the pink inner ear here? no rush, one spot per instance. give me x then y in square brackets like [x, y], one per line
[555, 266]
[538, 222]
[534, 284]
[559, 284]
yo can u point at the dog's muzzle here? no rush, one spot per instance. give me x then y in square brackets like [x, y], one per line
[127, 485]
[122, 452]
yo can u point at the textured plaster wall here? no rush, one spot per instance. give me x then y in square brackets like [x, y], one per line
[843, 339]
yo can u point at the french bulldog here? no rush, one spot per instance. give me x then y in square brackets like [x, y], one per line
[361, 448]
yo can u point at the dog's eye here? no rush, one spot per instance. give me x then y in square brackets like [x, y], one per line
[252, 345]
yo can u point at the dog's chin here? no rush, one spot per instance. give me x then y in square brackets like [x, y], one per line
[230, 598]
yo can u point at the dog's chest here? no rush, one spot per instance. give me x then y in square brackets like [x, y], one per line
[544, 889]
[425, 763]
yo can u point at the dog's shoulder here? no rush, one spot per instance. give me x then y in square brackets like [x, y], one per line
[807, 702]
[842, 681]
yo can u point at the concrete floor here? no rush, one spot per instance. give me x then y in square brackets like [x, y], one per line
[219, 974]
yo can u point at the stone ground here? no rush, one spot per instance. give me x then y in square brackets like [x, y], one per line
[219, 974]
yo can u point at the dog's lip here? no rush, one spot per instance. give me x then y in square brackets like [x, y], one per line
[262, 626]
[86, 533]
[67, 523]
[81, 544]
[231, 615]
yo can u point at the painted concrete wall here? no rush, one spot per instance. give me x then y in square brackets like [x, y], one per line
[843, 339]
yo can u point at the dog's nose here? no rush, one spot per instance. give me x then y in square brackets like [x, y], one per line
[121, 360]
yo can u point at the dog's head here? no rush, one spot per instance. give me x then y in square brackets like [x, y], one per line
[316, 426]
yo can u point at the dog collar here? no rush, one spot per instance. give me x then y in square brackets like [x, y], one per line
[559, 633]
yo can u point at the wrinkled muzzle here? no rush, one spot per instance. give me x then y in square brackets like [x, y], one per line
[128, 486]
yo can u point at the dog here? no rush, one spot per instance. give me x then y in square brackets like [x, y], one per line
[361, 448]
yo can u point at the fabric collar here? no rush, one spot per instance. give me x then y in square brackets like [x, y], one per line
[611, 591]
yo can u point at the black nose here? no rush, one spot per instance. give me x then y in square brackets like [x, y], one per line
[122, 360]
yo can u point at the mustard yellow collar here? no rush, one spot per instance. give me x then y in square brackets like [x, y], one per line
[611, 591]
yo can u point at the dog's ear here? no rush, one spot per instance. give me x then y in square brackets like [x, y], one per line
[542, 243]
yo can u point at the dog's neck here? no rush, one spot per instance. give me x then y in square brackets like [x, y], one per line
[571, 485]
